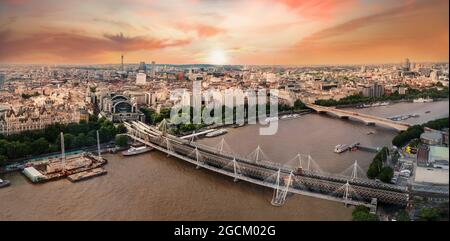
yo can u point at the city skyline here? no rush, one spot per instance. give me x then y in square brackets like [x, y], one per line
[270, 32]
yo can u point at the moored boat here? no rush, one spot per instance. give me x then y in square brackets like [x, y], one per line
[136, 150]
[341, 148]
[216, 133]
[4, 183]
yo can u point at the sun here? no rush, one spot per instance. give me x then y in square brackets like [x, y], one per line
[217, 57]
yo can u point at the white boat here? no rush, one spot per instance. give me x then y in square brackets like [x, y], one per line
[341, 148]
[216, 133]
[136, 150]
[422, 100]
[384, 103]
[289, 117]
[269, 119]
[376, 104]
[4, 183]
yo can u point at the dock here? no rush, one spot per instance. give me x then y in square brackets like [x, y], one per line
[87, 174]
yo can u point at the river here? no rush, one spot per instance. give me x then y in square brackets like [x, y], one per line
[153, 186]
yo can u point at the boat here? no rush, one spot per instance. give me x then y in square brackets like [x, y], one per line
[341, 148]
[136, 150]
[269, 119]
[216, 133]
[4, 183]
[238, 125]
[384, 103]
[422, 100]
[427, 111]
[290, 117]
[415, 115]
[370, 132]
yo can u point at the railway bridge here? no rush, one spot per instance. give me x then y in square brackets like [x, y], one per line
[304, 178]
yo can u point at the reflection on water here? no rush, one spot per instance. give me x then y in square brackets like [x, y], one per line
[156, 187]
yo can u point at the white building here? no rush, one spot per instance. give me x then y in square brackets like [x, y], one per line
[141, 79]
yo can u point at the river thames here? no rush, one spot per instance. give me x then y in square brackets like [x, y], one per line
[153, 186]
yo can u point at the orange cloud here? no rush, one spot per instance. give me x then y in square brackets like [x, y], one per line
[202, 30]
[72, 47]
[418, 30]
[316, 9]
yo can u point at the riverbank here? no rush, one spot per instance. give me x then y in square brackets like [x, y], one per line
[391, 102]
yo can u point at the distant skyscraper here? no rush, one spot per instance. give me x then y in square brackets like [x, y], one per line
[2, 80]
[121, 63]
[142, 67]
[407, 65]
[153, 70]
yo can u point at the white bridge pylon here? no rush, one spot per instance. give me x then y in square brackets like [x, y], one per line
[353, 172]
[258, 155]
[223, 148]
[347, 192]
[280, 192]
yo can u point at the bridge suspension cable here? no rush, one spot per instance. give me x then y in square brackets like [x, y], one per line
[258, 155]
[280, 192]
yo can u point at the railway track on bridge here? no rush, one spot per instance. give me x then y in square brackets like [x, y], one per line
[326, 186]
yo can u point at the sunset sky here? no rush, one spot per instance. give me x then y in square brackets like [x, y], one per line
[224, 31]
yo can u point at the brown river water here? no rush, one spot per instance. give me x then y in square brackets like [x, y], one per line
[153, 186]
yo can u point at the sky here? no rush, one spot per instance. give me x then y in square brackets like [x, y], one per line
[272, 32]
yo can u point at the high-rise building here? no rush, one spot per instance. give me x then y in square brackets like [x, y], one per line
[407, 65]
[2, 80]
[121, 63]
[142, 67]
[153, 70]
[374, 90]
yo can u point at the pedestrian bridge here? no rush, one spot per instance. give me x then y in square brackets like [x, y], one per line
[304, 178]
[367, 119]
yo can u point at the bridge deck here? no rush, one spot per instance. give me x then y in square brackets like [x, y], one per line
[400, 126]
[307, 183]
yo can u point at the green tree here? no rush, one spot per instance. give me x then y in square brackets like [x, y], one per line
[121, 140]
[39, 146]
[361, 213]
[429, 214]
[386, 174]
[121, 129]
[2, 160]
[402, 216]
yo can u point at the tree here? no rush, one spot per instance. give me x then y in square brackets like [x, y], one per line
[39, 146]
[121, 129]
[298, 105]
[386, 174]
[2, 160]
[121, 140]
[402, 216]
[361, 213]
[429, 214]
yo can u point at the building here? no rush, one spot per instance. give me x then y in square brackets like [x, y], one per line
[118, 108]
[422, 155]
[142, 67]
[374, 90]
[431, 137]
[2, 80]
[406, 65]
[153, 75]
[36, 118]
[438, 157]
[141, 79]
